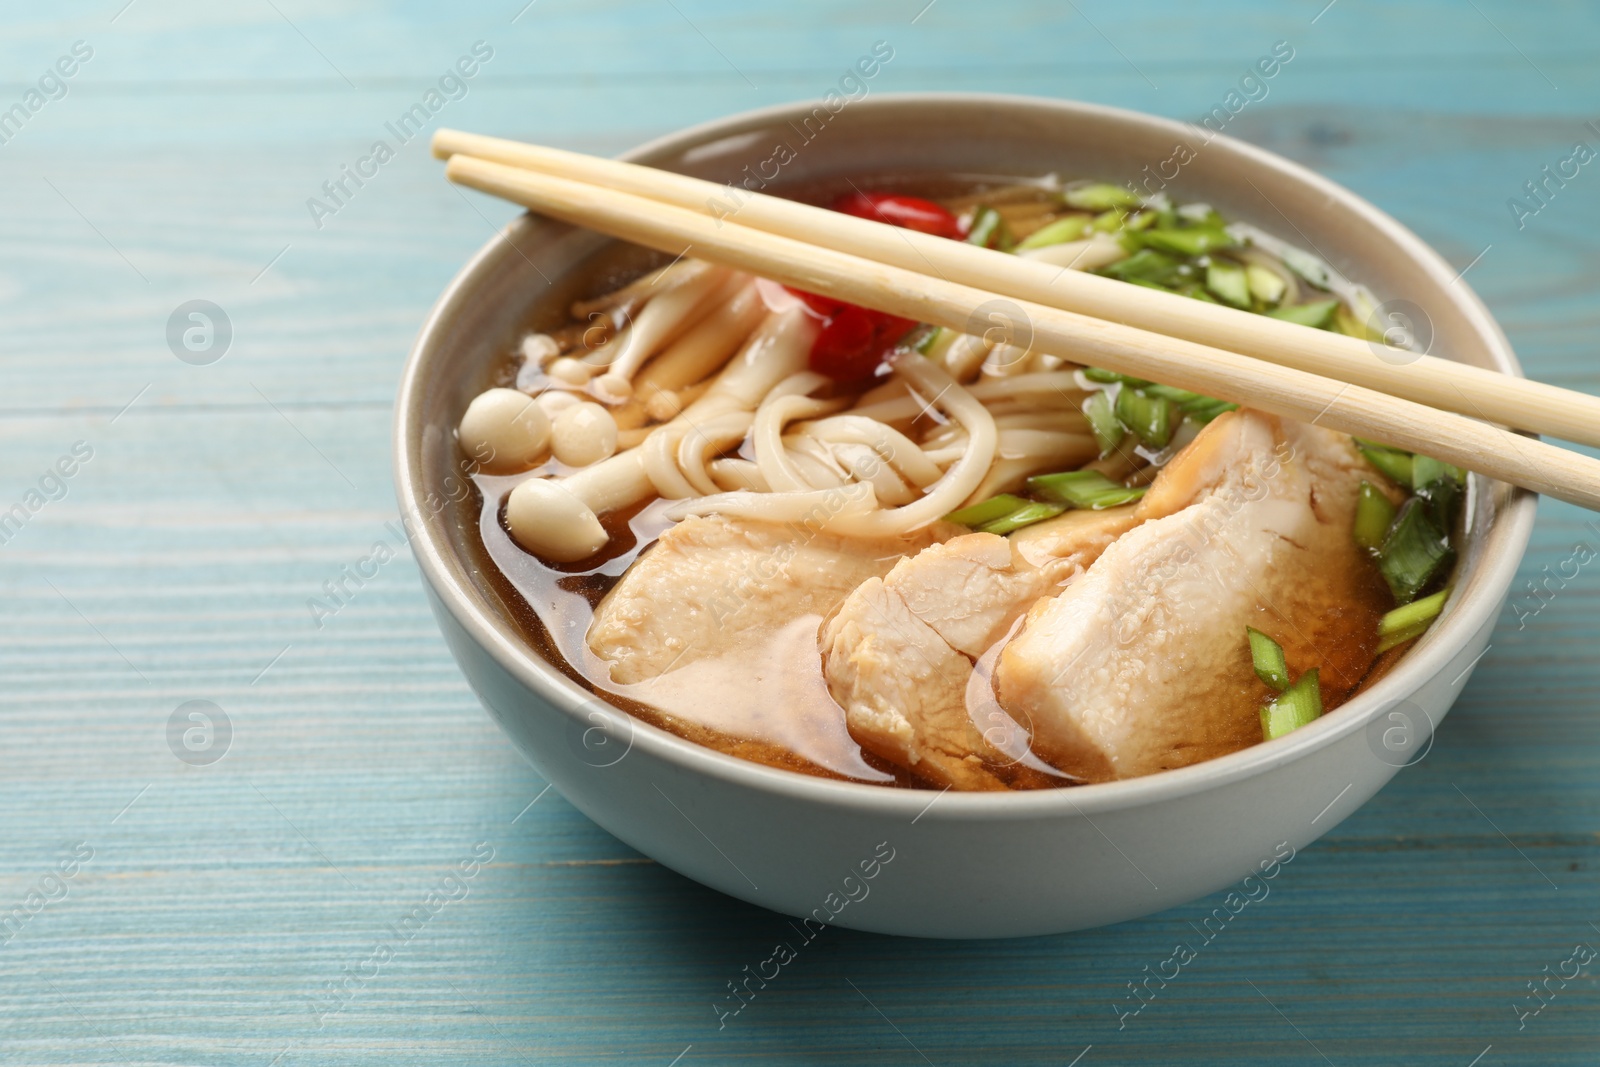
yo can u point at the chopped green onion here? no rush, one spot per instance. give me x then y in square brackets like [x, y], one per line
[1205, 409]
[1172, 393]
[1181, 397]
[1367, 442]
[1103, 422]
[1426, 471]
[1265, 285]
[1100, 196]
[1199, 292]
[1392, 462]
[996, 507]
[1441, 485]
[1142, 220]
[1318, 313]
[1199, 215]
[1229, 282]
[1410, 620]
[1196, 241]
[1089, 490]
[1374, 513]
[1267, 656]
[1148, 416]
[1296, 706]
[1346, 323]
[1400, 637]
[1145, 265]
[1058, 232]
[989, 230]
[1201, 408]
[1032, 512]
[1110, 222]
[1414, 552]
[1111, 377]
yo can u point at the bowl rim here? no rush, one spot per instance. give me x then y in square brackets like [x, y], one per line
[1500, 552]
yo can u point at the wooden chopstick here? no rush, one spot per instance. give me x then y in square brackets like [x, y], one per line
[1284, 391]
[1485, 394]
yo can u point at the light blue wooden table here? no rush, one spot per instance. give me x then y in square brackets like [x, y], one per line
[173, 911]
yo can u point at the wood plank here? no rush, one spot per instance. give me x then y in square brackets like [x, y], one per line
[221, 900]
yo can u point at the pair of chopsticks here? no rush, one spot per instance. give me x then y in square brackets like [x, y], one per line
[1433, 406]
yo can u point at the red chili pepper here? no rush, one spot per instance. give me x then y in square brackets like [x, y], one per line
[908, 212]
[855, 339]
[826, 306]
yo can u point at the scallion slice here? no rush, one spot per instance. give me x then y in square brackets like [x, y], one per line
[1111, 377]
[1030, 513]
[1414, 552]
[1100, 196]
[1112, 221]
[1265, 285]
[1318, 313]
[1267, 656]
[1229, 282]
[1441, 484]
[996, 507]
[1145, 265]
[1103, 422]
[1205, 409]
[1058, 232]
[1293, 708]
[1142, 220]
[1374, 513]
[1410, 620]
[1194, 241]
[1395, 464]
[1181, 397]
[1400, 637]
[1427, 472]
[1148, 416]
[989, 230]
[1089, 490]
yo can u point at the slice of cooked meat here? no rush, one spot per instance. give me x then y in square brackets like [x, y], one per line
[1141, 664]
[711, 584]
[899, 654]
[903, 690]
[1077, 536]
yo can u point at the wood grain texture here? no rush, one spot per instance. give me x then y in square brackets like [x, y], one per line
[220, 901]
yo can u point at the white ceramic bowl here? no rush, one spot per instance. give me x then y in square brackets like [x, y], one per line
[960, 865]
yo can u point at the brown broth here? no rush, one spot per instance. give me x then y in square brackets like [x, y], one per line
[765, 700]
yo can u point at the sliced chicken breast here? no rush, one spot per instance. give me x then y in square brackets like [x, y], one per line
[711, 585]
[899, 655]
[1142, 664]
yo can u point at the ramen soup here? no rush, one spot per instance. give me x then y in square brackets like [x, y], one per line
[827, 539]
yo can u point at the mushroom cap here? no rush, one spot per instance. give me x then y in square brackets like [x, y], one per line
[505, 431]
[547, 519]
[583, 434]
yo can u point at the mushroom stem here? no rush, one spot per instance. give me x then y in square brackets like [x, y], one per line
[705, 346]
[673, 313]
[656, 283]
[663, 319]
[556, 524]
